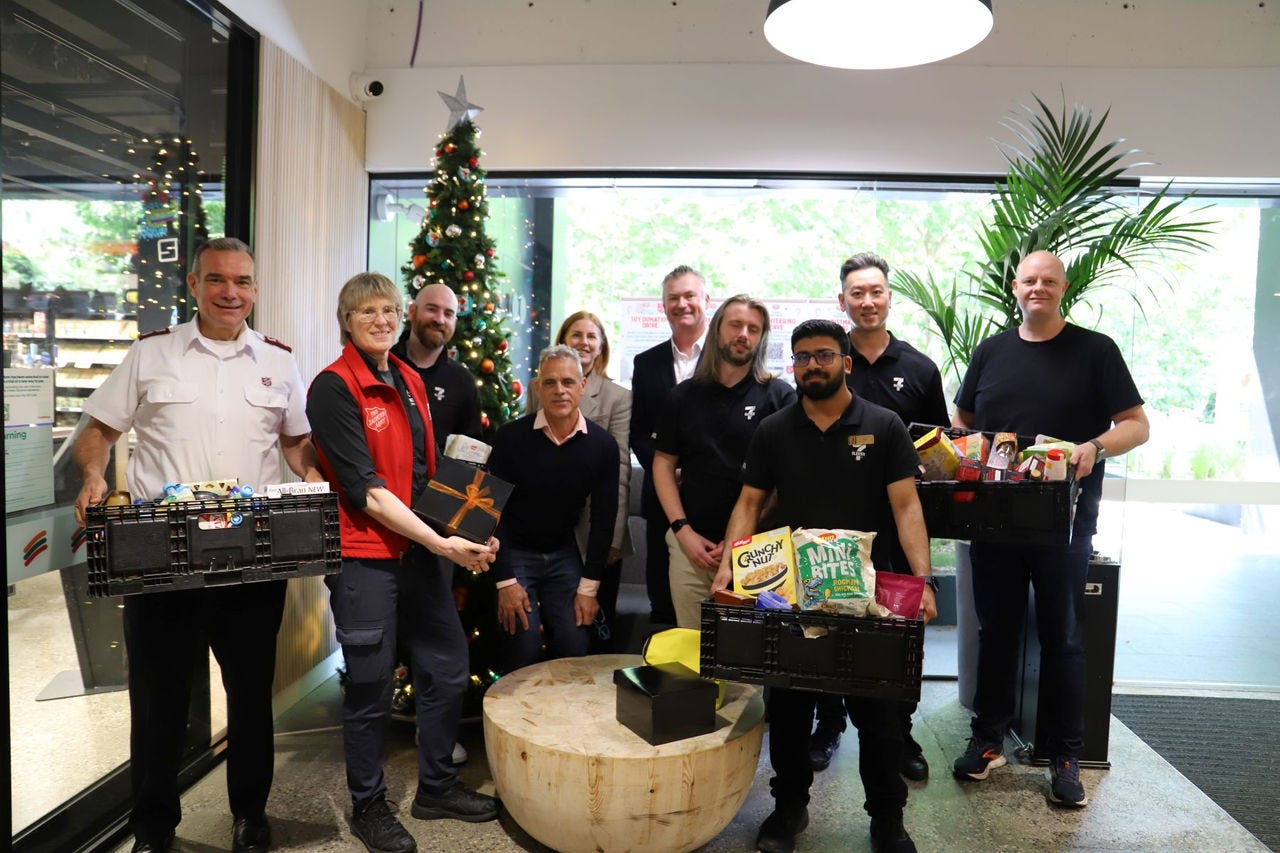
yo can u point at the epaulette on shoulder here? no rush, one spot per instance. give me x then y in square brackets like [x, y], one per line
[156, 333]
[276, 343]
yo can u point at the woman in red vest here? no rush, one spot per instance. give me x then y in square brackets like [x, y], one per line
[372, 430]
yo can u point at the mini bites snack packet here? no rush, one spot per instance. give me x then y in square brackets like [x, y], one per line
[765, 561]
[835, 570]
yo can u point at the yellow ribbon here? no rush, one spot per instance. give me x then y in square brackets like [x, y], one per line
[474, 497]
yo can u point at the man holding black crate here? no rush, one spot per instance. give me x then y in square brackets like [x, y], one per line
[836, 461]
[893, 374]
[1053, 378]
[207, 399]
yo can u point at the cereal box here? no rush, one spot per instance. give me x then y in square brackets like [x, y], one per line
[938, 455]
[834, 566]
[765, 561]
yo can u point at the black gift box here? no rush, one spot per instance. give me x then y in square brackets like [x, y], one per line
[665, 702]
[463, 500]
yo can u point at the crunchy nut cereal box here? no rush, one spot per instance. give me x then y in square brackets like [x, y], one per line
[765, 561]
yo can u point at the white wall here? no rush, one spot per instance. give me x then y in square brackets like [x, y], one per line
[326, 36]
[1201, 122]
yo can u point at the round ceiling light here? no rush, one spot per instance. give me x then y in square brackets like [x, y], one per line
[870, 34]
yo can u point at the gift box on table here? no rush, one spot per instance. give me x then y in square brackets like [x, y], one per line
[462, 500]
[665, 702]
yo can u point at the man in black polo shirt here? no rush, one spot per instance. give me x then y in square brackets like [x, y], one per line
[452, 398]
[896, 375]
[836, 461]
[451, 389]
[704, 431]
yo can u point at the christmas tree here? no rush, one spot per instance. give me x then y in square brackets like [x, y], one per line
[453, 249]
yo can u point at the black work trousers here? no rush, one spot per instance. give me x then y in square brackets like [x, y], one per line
[879, 749]
[164, 634]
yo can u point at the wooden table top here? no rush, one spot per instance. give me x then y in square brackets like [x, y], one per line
[569, 705]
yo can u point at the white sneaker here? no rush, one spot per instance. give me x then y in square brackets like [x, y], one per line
[459, 754]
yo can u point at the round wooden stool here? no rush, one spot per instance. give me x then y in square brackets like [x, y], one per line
[577, 780]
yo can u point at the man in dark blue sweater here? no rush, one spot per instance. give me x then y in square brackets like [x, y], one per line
[556, 459]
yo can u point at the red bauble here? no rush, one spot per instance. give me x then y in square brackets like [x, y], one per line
[516, 387]
[486, 366]
[468, 275]
[464, 204]
[502, 345]
[484, 420]
[449, 148]
[439, 153]
[489, 252]
[473, 162]
[419, 260]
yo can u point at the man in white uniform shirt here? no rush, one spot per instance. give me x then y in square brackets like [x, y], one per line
[209, 399]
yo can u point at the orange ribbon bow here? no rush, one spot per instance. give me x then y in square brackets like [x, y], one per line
[474, 497]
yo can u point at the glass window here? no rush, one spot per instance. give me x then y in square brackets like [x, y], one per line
[123, 150]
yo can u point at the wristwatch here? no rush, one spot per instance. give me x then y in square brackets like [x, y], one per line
[679, 524]
[932, 581]
[1102, 451]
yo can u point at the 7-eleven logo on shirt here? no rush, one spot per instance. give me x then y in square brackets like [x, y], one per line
[375, 418]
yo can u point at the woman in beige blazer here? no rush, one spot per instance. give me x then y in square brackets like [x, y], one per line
[609, 405]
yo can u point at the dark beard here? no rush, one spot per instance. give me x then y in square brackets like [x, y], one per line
[822, 391]
[726, 355]
[426, 333]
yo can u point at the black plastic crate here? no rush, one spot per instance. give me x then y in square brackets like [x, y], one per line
[1025, 512]
[157, 547]
[880, 658]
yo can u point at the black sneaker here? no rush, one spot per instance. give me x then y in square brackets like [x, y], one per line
[455, 802]
[1065, 787]
[979, 759]
[888, 835]
[823, 744]
[377, 827]
[779, 830]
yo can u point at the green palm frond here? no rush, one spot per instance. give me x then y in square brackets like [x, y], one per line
[1065, 192]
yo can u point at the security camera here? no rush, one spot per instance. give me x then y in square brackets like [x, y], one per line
[365, 87]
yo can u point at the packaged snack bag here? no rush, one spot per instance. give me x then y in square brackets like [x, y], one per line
[835, 569]
[765, 562]
[902, 594]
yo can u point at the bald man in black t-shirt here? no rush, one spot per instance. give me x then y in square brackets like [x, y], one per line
[1044, 377]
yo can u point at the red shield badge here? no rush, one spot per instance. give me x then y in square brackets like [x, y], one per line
[375, 418]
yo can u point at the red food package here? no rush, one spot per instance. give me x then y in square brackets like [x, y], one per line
[902, 594]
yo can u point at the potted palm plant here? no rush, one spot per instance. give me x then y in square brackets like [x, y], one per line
[1067, 193]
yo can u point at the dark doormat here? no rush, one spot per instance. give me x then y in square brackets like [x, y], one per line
[1228, 748]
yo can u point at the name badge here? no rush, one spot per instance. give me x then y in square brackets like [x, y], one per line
[861, 440]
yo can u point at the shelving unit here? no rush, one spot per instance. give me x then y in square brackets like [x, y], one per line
[83, 351]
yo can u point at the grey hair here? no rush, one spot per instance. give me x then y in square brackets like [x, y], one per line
[361, 288]
[556, 351]
[221, 244]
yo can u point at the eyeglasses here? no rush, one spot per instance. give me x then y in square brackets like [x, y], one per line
[824, 357]
[369, 315]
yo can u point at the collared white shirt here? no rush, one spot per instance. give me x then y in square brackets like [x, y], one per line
[202, 410]
[686, 364]
[540, 422]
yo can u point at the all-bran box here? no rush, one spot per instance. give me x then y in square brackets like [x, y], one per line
[765, 562]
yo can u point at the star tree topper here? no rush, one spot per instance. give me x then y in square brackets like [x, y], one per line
[460, 109]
